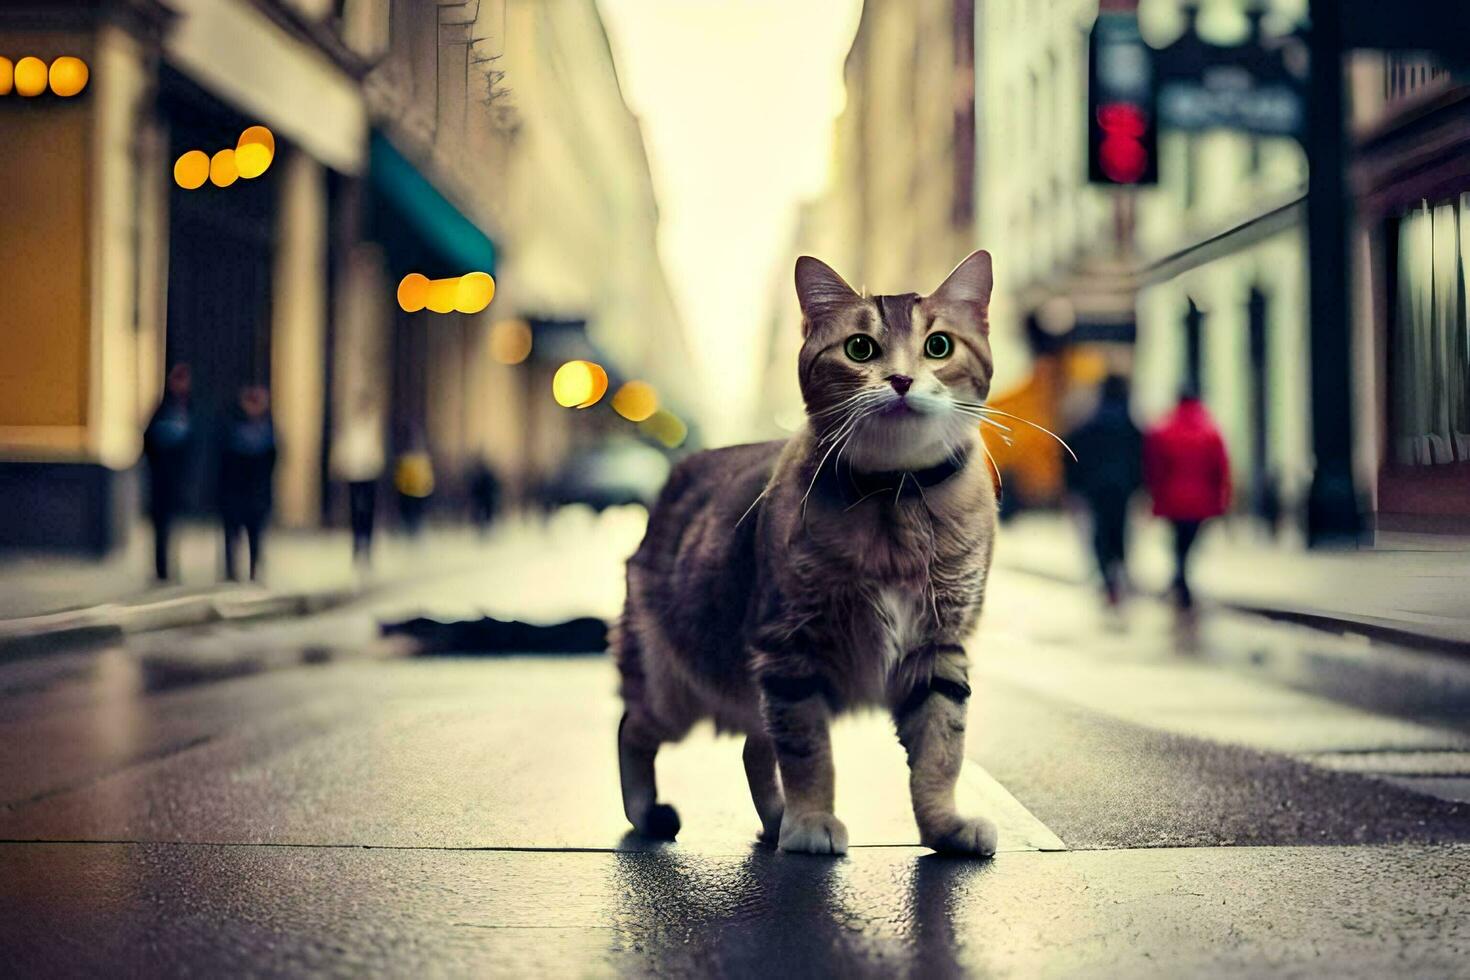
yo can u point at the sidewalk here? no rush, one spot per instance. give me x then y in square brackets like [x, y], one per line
[524, 566]
[1420, 597]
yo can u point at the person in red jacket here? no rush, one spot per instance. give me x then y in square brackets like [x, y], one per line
[1187, 473]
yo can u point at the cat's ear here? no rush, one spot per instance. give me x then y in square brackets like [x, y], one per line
[819, 289]
[970, 282]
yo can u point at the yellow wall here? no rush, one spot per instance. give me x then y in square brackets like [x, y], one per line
[44, 325]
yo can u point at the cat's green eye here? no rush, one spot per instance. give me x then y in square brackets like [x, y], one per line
[938, 346]
[860, 347]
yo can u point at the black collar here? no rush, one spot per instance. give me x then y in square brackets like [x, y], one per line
[850, 486]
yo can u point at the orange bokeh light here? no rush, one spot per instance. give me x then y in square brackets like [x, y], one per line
[30, 77]
[68, 76]
[413, 292]
[222, 169]
[510, 341]
[191, 170]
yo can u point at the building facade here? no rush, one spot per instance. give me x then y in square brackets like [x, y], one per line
[1411, 191]
[899, 210]
[1216, 249]
[409, 136]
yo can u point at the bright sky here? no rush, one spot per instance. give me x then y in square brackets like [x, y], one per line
[737, 99]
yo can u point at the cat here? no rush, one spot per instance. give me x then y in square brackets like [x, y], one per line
[783, 583]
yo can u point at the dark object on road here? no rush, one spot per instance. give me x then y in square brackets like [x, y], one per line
[585, 634]
[1188, 475]
[168, 446]
[1106, 473]
[247, 468]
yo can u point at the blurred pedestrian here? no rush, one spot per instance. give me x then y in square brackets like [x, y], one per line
[1188, 476]
[413, 478]
[246, 472]
[357, 459]
[168, 447]
[1107, 472]
[484, 495]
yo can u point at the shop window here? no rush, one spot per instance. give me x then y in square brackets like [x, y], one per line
[1430, 341]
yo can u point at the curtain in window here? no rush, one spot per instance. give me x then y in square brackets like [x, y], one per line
[1431, 341]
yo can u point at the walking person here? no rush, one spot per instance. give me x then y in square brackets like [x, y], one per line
[168, 448]
[1188, 475]
[413, 478]
[357, 459]
[1107, 472]
[484, 495]
[246, 472]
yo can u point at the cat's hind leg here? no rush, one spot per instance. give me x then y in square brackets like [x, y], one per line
[931, 726]
[638, 744]
[765, 785]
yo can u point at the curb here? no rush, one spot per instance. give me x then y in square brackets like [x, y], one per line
[1319, 620]
[113, 621]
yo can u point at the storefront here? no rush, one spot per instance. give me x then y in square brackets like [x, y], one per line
[1413, 183]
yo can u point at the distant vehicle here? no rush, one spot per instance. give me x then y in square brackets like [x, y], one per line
[618, 473]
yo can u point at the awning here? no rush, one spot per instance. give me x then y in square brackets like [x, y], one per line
[457, 241]
[258, 67]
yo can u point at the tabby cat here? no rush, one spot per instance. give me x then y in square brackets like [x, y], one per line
[783, 583]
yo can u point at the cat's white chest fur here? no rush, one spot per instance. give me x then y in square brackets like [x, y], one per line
[903, 619]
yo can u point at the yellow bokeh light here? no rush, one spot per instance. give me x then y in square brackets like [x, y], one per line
[7, 76]
[255, 151]
[413, 292]
[443, 294]
[579, 384]
[30, 77]
[635, 401]
[259, 136]
[68, 75]
[599, 385]
[191, 170]
[474, 292]
[510, 341]
[222, 170]
[252, 160]
[666, 427]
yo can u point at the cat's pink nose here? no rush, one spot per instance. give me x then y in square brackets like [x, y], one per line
[901, 383]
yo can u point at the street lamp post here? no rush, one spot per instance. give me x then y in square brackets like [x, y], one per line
[1332, 503]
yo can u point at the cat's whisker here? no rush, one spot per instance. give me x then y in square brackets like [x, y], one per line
[987, 410]
[847, 430]
[999, 480]
[757, 500]
[985, 420]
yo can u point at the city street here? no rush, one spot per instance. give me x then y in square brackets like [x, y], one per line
[1249, 796]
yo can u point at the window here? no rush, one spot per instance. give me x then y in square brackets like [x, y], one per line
[1430, 340]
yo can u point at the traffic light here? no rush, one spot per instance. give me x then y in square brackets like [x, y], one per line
[1122, 129]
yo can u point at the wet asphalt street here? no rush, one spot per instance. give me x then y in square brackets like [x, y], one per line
[1243, 798]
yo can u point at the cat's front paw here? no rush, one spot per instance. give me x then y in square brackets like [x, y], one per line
[972, 836]
[813, 833]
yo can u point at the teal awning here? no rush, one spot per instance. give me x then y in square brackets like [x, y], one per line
[431, 217]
